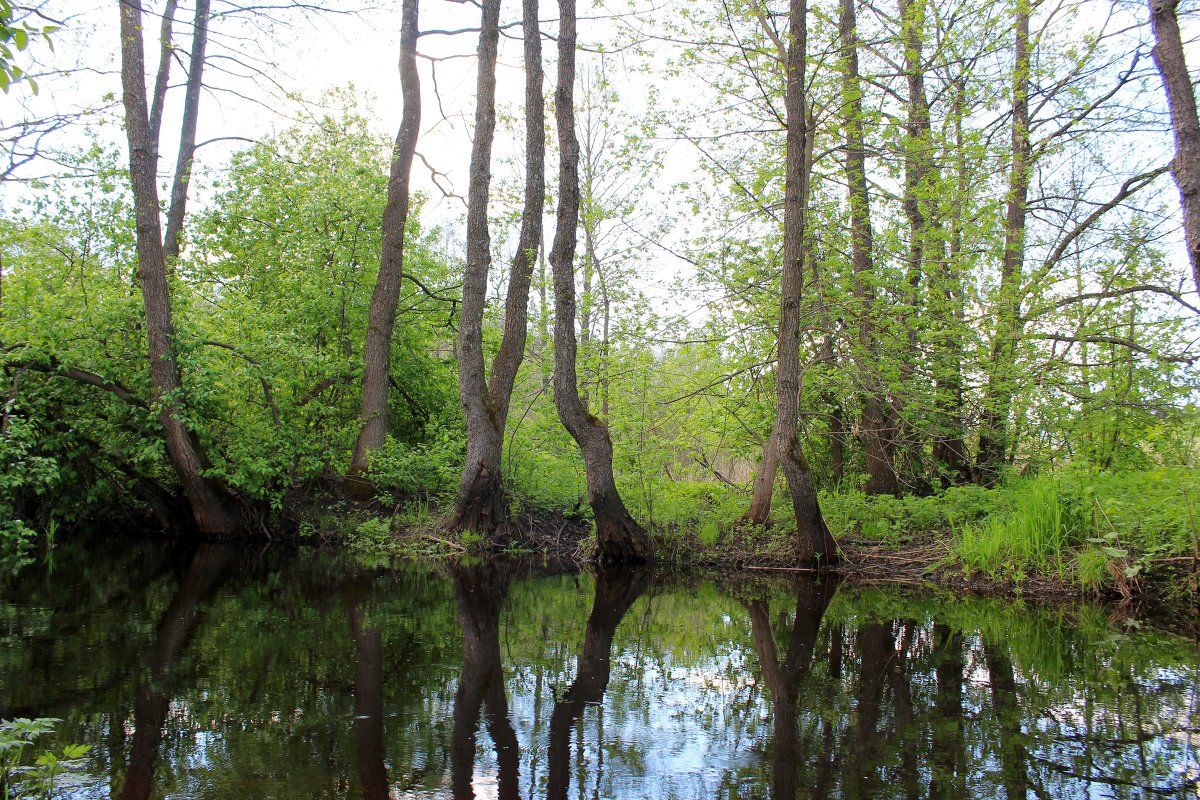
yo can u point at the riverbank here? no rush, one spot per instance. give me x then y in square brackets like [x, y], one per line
[1124, 538]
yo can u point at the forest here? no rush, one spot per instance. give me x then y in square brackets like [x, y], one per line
[908, 286]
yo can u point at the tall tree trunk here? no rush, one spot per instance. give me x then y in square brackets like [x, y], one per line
[763, 493]
[481, 503]
[921, 184]
[212, 507]
[187, 133]
[618, 535]
[162, 79]
[994, 428]
[381, 316]
[764, 484]
[814, 543]
[1168, 56]
[876, 419]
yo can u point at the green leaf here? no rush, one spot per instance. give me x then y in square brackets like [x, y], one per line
[20, 38]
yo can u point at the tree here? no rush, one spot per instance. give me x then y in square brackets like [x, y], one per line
[381, 323]
[814, 543]
[618, 535]
[878, 423]
[1181, 97]
[993, 434]
[481, 501]
[212, 507]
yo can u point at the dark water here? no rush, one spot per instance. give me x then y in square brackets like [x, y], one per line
[226, 673]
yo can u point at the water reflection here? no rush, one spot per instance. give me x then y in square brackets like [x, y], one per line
[616, 590]
[207, 569]
[480, 592]
[221, 674]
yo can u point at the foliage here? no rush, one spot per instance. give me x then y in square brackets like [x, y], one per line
[15, 36]
[34, 780]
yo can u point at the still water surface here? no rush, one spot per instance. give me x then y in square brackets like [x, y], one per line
[216, 672]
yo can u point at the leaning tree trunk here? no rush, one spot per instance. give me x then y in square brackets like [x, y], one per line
[618, 535]
[212, 508]
[997, 403]
[876, 419]
[381, 317]
[481, 502]
[1168, 56]
[813, 540]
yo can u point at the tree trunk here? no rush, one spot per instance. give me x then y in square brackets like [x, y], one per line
[187, 133]
[764, 484]
[1168, 56]
[381, 316]
[997, 403]
[481, 504]
[480, 491]
[814, 543]
[618, 535]
[921, 186]
[163, 78]
[212, 508]
[876, 421]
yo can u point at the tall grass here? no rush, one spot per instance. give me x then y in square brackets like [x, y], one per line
[1034, 533]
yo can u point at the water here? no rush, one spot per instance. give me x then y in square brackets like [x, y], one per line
[217, 672]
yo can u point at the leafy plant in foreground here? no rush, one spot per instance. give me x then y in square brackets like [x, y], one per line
[36, 780]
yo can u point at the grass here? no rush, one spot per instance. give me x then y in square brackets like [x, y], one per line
[1037, 533]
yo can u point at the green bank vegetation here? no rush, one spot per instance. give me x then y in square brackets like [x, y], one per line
[994, 347]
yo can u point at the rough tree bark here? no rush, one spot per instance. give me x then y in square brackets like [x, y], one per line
[814, 543]
[876, 420]
[1168, 56]
[997, 403]
[763, 491]
[381, 316]
[481, 502]
[212, 508]
[163, 77]
[618, 535]
[187, 132]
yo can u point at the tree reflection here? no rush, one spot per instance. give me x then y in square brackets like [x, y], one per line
[207, 570]
[785, 678]
[617, 588]
[480, 592]
[368, 691]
